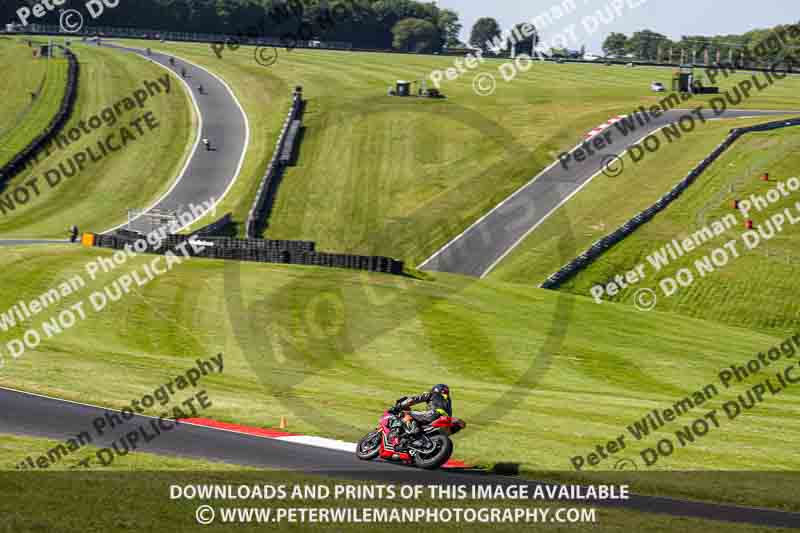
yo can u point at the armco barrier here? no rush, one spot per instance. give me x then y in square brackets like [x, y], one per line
[597, 249]
[269, 183]
[259, 250]
[28, 154]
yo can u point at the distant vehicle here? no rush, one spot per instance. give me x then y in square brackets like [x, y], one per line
[566, 54]
[657, 87]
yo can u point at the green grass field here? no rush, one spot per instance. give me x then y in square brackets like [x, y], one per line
[608, 202]
[551, 373]
[540, 376]
[409, 175]
[22, 118]
[98, 197]
[757, 289]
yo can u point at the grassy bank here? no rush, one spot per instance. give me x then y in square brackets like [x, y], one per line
[756, 289]
[98, 197]
[608, 202]
[400, 177]
[23, 117]
[552, 374]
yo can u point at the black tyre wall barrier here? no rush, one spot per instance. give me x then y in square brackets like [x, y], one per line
[597, 249]
[28, 154]
[269, 183]
[259, 250]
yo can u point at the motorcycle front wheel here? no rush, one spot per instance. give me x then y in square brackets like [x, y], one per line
[438, 454]
[369, 447]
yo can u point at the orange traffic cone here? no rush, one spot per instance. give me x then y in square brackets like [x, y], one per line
[736, 204]
[284, 424]
[765, 177]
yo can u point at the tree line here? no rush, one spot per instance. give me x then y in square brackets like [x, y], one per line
[761, 46]
[405, 25]
[408, 25]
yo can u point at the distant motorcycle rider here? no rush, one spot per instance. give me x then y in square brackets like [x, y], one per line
[439, 404]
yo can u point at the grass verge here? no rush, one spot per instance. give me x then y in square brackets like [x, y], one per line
[98, 197]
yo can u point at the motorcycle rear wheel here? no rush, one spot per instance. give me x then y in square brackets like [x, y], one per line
[369, 447]
[443, 449]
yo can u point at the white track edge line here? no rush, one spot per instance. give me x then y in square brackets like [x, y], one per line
[654, 132]
[243, 156]
[562, 202]
[501, 204]
[111, 409]
[191, 155]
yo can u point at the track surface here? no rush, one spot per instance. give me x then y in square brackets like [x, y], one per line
[29, 414]
[208, 175]
[489, 240]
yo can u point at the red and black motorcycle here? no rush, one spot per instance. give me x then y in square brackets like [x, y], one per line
[430, 449]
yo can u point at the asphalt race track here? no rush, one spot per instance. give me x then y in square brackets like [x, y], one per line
[208, 173]
[484, 244]
[29, 414]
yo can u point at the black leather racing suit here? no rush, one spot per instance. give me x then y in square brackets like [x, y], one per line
[438, 405]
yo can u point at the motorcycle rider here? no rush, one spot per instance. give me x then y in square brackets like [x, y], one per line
[439, 404]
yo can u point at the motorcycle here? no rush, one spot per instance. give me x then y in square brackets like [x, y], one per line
[429, 450]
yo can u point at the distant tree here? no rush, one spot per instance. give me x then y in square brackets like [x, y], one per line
[486, 34]
[416, 35]
[450, 28]
[527, 36]
[615, 45]
[645, 44]
[583, 51]
[776, 45]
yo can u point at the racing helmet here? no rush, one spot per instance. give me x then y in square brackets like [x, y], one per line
[442, 389]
